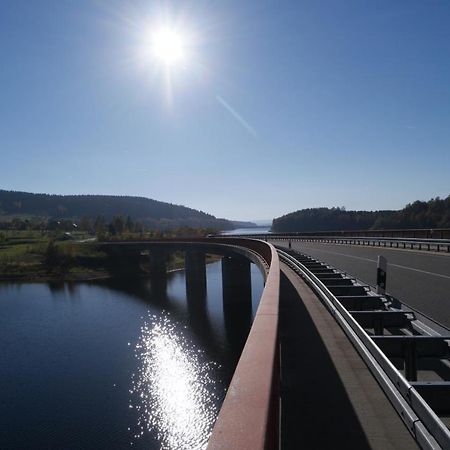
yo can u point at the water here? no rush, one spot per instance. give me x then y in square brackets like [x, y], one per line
[113, 365]
[259, 230]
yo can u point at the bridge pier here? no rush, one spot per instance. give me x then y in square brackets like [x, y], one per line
[237, 299]
[195, 267]
[158, 270]
[236, 281]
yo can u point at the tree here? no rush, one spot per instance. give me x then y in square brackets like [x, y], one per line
[85, 224]
[129, 224]
[99, 224]
[117, 226]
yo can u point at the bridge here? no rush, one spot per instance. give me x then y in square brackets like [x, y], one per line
[327, 363]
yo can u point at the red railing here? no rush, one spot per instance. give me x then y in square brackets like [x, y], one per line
[249, 417]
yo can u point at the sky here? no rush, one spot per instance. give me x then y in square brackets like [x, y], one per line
[274, 106]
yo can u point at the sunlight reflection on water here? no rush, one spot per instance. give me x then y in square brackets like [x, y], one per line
[173, 390]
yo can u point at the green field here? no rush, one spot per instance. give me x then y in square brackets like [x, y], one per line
[32, 255]
[44, 255]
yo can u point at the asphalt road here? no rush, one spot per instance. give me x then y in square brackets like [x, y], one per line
[418, 278]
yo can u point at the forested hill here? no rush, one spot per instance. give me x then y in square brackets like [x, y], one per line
[432, 214]
[153, 213]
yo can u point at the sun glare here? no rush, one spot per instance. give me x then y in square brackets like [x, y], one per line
[168, 46]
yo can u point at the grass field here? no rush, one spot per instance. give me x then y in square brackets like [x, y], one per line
[25, 255]
[45, 255]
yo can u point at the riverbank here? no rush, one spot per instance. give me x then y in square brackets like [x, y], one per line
[37, 259]
[39, 256]
[32, 277]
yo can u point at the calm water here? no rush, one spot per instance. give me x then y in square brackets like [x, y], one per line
[259, 230]
[112, 365]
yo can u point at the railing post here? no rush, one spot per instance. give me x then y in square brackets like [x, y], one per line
[381, 275]
[410, 361]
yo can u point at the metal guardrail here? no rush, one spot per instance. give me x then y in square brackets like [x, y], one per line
[395, 343]
[420, 233]
[436, 245]
[410, 243]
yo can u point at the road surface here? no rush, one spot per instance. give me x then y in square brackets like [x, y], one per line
[420, 279]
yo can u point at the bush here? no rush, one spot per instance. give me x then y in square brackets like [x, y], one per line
[58, 256]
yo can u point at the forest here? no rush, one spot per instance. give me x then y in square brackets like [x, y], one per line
[151, 213]
[434, 213]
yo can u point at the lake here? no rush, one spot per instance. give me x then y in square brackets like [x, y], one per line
[240, 231]
[114, 364]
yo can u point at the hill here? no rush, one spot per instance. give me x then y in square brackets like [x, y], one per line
[432, 214]
[153, 213]
[243, 224]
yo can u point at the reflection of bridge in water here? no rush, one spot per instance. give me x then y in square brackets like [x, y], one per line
[318, 391]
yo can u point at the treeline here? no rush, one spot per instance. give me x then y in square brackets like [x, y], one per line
[432, 214]
[152, 213]
[119, 227]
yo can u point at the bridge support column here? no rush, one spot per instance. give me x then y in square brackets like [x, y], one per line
[195, 266]
[158, 270]
[237, 300]
[236, 280]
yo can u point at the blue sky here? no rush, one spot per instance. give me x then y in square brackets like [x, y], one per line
[278, 105]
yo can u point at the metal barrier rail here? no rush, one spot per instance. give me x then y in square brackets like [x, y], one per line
[393, 342]
[411, 243]
[421, 233]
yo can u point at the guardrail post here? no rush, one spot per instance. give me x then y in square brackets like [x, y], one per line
[381, 274]
[410, 361]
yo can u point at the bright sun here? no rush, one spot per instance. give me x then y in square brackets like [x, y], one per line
[168, 46]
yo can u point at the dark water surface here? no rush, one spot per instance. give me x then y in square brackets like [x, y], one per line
[112, 365]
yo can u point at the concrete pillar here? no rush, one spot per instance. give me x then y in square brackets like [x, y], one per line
[158, 270]
[236, 280]
[237, 300]
[195, 267]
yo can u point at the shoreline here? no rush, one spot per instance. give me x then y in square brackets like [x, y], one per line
[46, 278]
[73, 277]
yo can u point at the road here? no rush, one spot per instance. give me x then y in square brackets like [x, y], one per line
[418, 278]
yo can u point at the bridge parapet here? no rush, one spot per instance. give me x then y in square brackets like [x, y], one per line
[249, 417]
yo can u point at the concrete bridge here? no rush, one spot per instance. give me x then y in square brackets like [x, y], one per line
[302, 380]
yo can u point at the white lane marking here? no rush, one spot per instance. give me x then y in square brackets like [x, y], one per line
[389, 264]
[419, 270]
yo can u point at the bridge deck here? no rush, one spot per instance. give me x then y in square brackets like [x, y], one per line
[329, 397]
[420, 279]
